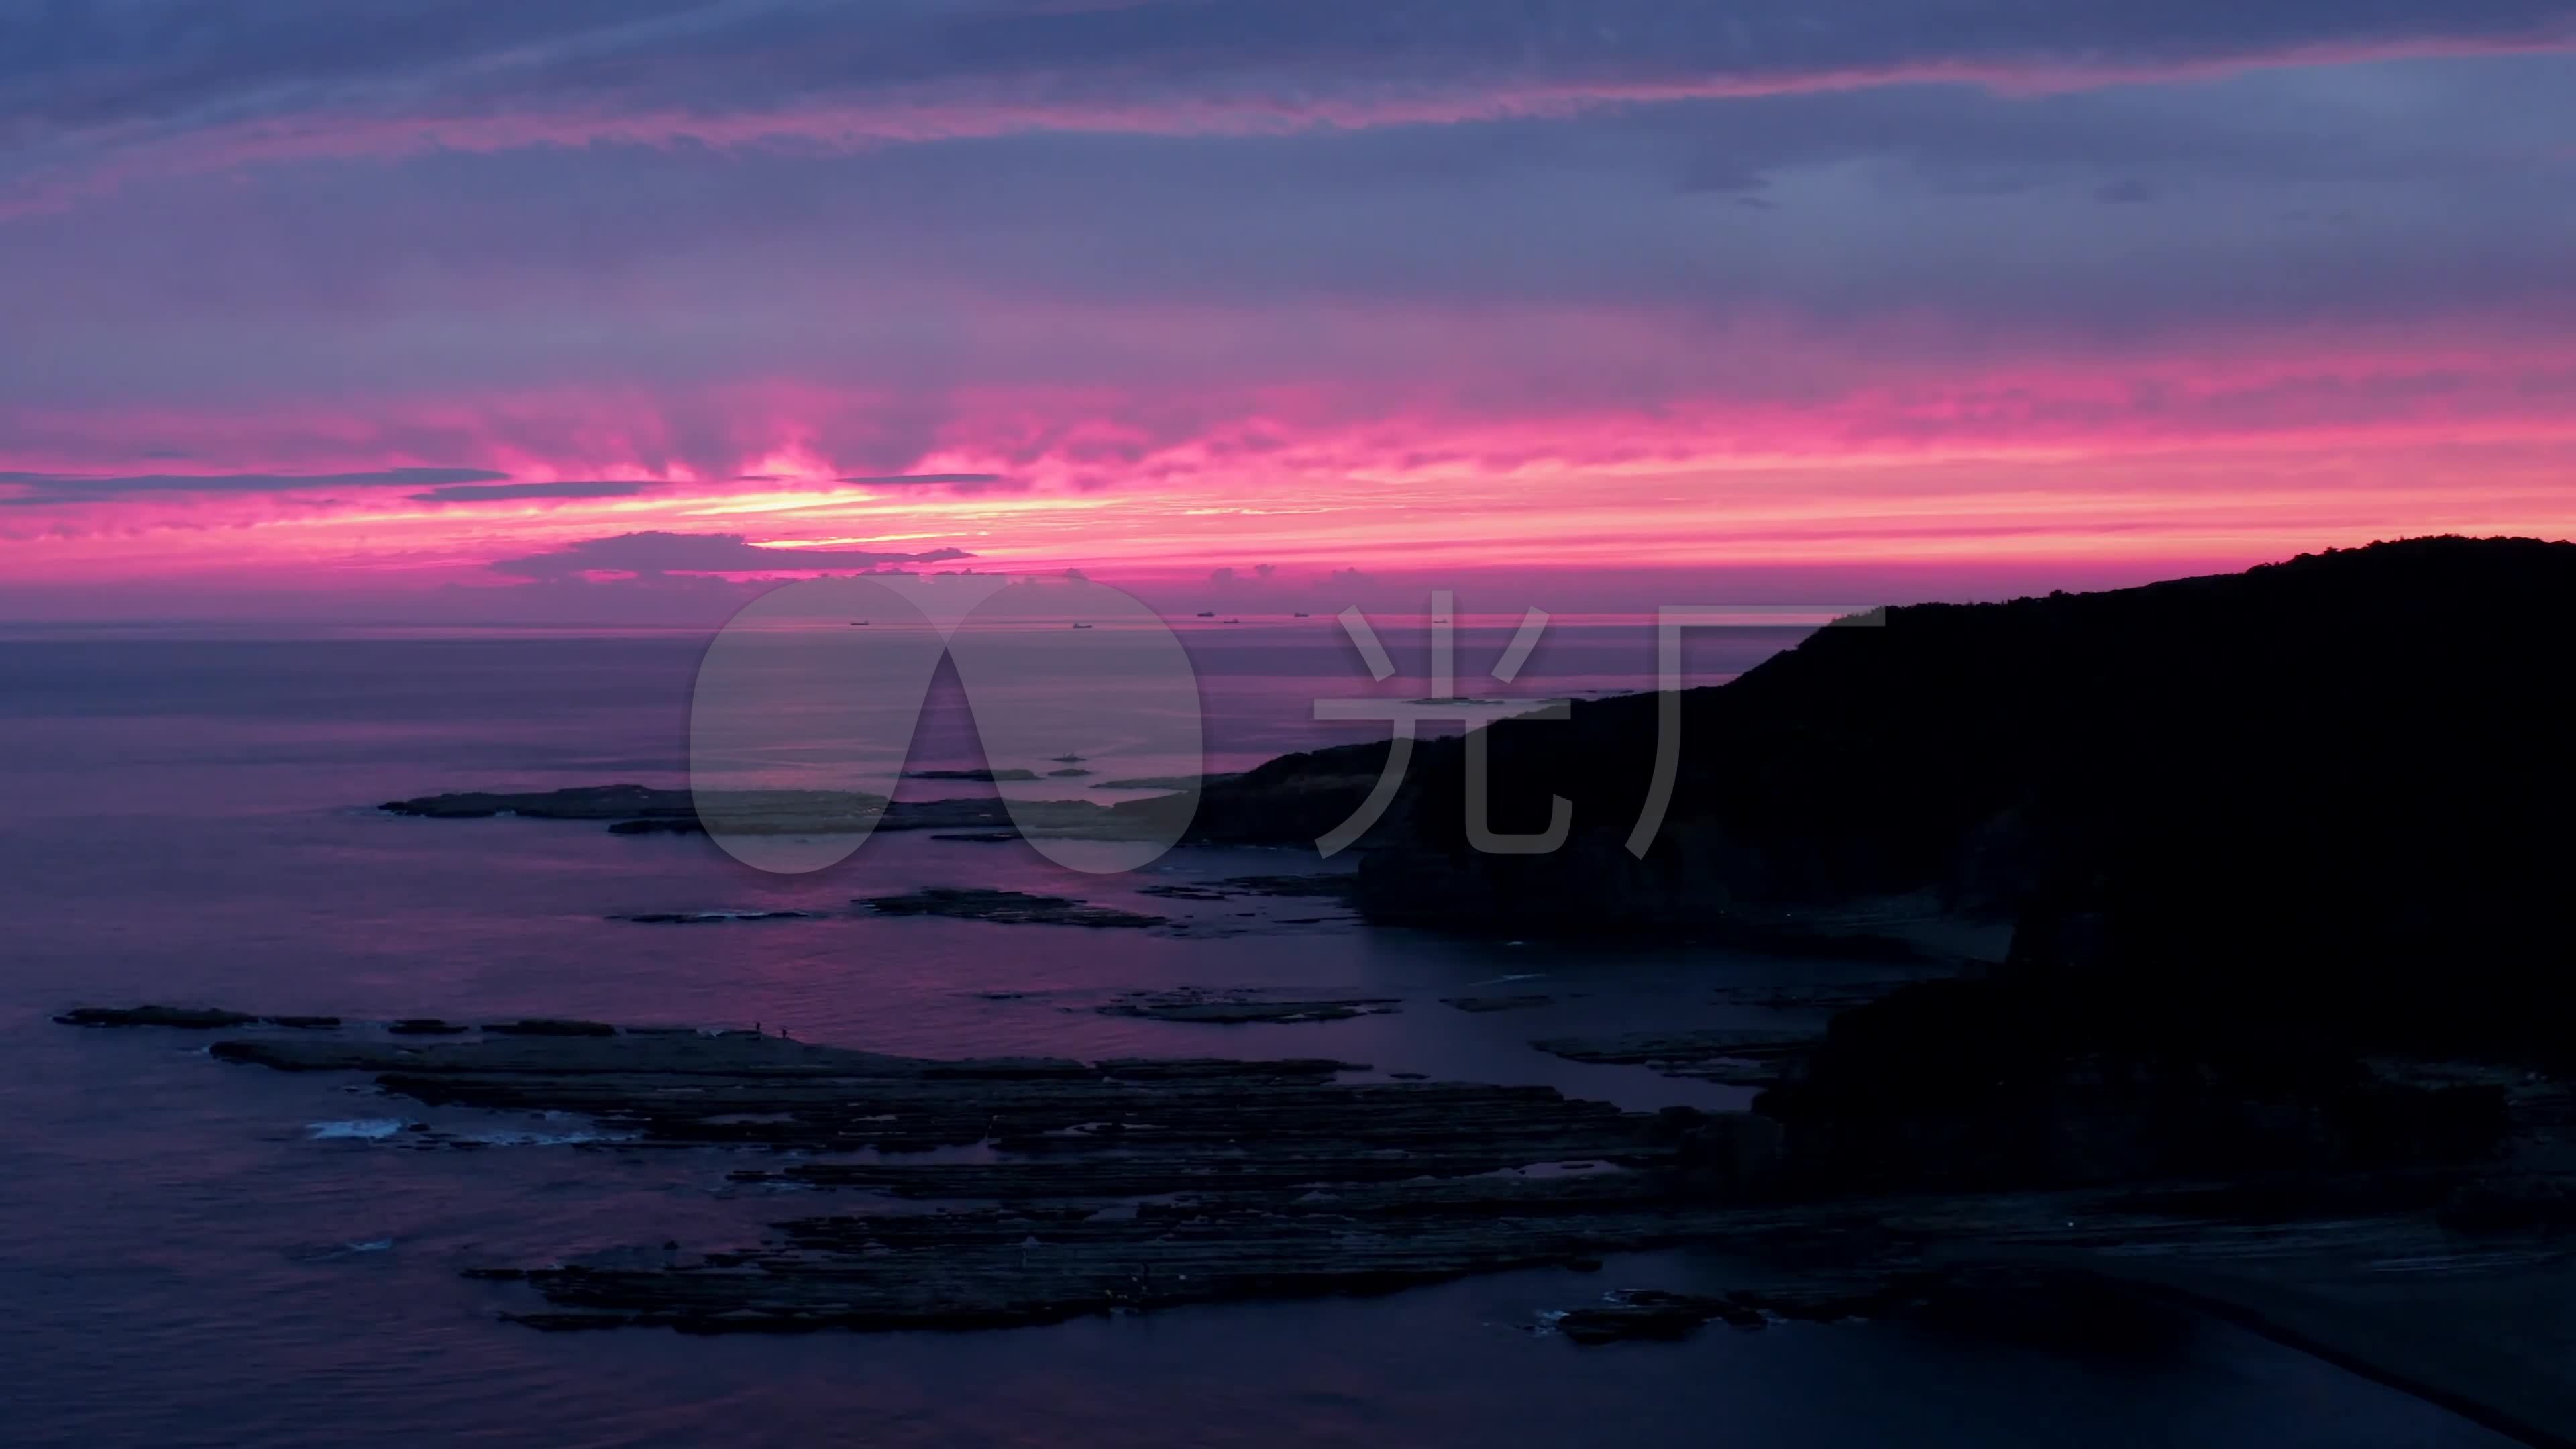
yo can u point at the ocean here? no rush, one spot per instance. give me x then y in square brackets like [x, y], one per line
[197, 1253]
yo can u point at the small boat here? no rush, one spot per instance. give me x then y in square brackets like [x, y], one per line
[1082, 626]
[1301, 614]
[858, 623]
[1207, 613]
[1234, 621]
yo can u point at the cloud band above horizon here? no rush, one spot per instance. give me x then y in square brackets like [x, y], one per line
[413, 293]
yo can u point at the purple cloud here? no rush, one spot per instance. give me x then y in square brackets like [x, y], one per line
[655, 554]
[164, 84]
[50, 488]
[962, 482]
[507, 492]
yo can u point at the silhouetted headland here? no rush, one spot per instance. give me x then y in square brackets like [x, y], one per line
[2281, 856]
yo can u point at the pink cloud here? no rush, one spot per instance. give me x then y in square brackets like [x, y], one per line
[1446, 452]
[1411, 392]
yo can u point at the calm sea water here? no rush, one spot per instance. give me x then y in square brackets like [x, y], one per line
[202, 1254]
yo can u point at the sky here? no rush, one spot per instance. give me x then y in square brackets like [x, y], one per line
[628, 309]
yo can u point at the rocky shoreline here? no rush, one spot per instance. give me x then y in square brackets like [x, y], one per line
[1138, 1184]
[1148, 1156]
[2238, 935]
[1009, 908]
[632, 809]
[1127, 1183]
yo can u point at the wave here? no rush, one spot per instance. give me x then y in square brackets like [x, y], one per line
[362, 1129]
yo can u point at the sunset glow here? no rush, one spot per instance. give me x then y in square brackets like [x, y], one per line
[1935, 310]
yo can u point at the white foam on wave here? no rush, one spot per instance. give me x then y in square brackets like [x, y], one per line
[333, 1252]
[361, 1129]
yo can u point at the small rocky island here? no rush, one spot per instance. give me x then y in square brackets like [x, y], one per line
[1009, 908]
[631, 809]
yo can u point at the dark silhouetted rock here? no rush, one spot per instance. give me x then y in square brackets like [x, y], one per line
[1239, 1179]
[1341, 886]
[1721, 1156]
[550, 1026]
[1014, 908]
[1732, 1055]
[1650, 1316]
[709, 918]
[192, 1018]
[786, 811]
[2016, 1083]
[645, 810]
[2289, 793]
[1183, 891]
[1498, 1003]
[2510, 1204]
[1236, 1009]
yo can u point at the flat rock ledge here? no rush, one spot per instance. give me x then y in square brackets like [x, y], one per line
[647, 806]
[1728, 1056]
[2059, 1304]
[188, 1018]
[630, 809]
[1523, 1002]
[1659, 1315]
[1122, 1184]
[1010, 908]
[1135, 1184]
[1329, 885]
[1239, 1008]
[714, 918]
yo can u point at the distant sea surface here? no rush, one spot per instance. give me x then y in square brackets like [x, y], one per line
[195, 1253]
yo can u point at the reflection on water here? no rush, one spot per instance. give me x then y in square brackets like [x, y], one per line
[200, 1253]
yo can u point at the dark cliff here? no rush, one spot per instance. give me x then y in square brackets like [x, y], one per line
[2350, 771]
